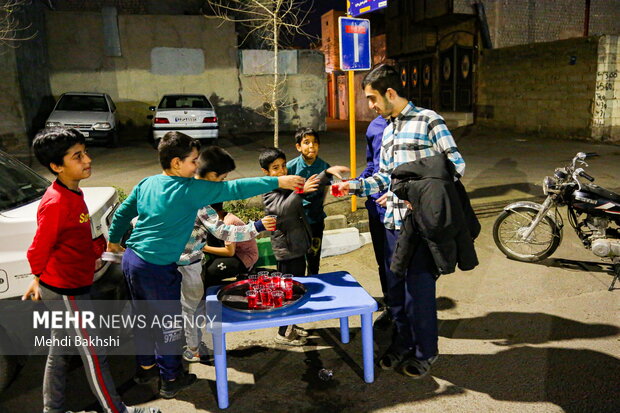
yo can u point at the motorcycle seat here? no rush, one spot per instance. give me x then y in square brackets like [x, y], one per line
[605, 193]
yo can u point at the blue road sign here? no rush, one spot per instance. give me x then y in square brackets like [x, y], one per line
[357, 7]
[354, 43]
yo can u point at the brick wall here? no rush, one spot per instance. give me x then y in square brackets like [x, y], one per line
[536, 88]
[514, 22]
[606, 107]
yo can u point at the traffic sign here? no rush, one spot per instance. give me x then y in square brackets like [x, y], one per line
[354, 43]
[357, 7]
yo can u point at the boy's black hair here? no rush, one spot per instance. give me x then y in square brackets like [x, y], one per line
[303, 132]
[51, 145]
[218, 207]
[175, 145]
[269, 155]
[215, 159]
[383, 77]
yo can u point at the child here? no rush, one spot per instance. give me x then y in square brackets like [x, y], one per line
[62, 257]
[292, 237]
[309, 165]
[215, 164]
[166, 207]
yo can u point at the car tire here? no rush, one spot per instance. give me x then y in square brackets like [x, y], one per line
[113, 139]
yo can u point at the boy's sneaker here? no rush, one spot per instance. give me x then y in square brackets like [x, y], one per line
[301, 332]
[417, 369]
[290, 338]
[170, 388]
[135, 409]
[144, 376]
[191, 356]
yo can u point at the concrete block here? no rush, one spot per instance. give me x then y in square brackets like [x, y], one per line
[365, 238]
[335, 222]
[340, 241]
[362, 225]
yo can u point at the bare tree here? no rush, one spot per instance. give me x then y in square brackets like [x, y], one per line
[272, 21]
[10, 28]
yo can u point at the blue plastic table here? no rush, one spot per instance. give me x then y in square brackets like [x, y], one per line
[331, 295]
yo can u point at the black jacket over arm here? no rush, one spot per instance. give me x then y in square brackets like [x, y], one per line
[442, 216]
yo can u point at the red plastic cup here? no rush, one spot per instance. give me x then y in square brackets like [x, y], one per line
[266, 297]
[253, 279]
[252, 297]
[278, 298]
[265, 280]
[276, 277]
[288, 292]
[276, 218]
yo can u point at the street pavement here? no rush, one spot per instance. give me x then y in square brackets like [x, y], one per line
[514, 337]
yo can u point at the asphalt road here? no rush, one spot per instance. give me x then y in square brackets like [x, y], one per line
[514, 337]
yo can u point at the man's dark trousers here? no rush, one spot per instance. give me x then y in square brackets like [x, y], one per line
[377, 233]
[412, 299]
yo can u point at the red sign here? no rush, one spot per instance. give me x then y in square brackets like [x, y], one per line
[355, 29]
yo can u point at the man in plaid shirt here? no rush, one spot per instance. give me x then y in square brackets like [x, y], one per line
[412, 133]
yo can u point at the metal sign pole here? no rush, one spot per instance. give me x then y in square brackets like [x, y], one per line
[352, 152]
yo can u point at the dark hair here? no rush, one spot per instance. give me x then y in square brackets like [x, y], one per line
[175, 145]
[303, 132]
[383, 77]
[218, 207]
[269, 155]
[215, 159]
[51, 145]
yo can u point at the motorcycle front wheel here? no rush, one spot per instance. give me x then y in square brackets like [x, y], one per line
[508, 232]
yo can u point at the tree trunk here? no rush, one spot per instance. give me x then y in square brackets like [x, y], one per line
[274, 101]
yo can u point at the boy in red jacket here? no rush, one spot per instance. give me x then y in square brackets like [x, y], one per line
[62, 258]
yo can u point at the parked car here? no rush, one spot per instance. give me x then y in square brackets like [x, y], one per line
[93, 114]
[192, 115]
[21, 190]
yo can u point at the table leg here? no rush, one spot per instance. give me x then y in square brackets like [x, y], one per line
[344, 329]
[367, 348]
[221, 375]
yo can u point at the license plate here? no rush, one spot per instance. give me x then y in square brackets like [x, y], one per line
[85, 133]
[186, 119]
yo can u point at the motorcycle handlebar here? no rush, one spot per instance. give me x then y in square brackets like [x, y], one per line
[586, 176]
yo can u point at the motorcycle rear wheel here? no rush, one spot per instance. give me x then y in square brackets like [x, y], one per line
[511, 224]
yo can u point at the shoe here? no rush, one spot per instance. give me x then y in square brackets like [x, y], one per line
[170, 388]
[290, 338]
[191, 356]
[301, 332]
[145, 376]
[206, 355]
[135, 409]
[393, 356]
[384, 320]
[417, 369]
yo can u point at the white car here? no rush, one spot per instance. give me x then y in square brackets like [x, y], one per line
[93, 114]
[192, 115]
[21, 190]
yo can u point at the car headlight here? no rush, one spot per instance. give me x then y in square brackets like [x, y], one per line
[102, 125]
[52, 124]
[549, 185]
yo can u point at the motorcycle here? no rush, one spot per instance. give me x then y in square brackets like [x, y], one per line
[530, 232]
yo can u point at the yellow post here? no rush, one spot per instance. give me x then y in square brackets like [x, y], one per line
[351, 77]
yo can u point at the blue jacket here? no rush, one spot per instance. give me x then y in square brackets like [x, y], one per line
[374, 135]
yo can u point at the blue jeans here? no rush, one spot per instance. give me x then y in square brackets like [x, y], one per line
[149, 283]
[412, 300]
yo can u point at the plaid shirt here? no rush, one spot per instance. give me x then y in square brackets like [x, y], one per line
[414, 134]
[207, 221]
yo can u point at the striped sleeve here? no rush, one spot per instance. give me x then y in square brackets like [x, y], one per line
[443, 141]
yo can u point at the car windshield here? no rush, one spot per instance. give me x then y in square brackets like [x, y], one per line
[185, 101]
[85, 103]
[19, 185]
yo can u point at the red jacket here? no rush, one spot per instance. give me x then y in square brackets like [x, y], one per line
[63, 253]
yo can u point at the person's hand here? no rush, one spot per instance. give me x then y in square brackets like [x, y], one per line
[114, 247]
[408, 204]
[33, 292]
[290, 181]
[343, 187]
[382, 200]
[269, 223]
[338, 171]
[312, 184]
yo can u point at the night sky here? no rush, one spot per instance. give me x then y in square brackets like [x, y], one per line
[317, 9]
